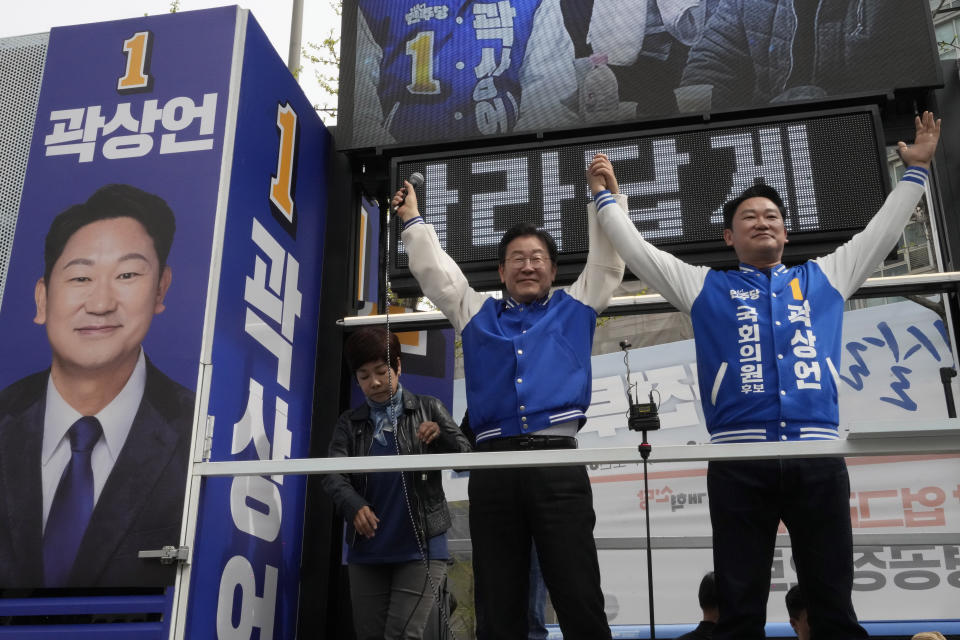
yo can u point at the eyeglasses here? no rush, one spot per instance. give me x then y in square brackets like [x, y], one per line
[536, 261]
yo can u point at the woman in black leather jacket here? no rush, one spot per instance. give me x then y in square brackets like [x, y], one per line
[396, 523]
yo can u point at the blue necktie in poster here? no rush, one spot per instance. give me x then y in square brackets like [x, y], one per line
[103, 303]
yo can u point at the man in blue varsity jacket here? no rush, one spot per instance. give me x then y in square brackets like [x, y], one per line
[768, 341]
[527, 364]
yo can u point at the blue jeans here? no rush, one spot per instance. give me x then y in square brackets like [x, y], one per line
[748, 499]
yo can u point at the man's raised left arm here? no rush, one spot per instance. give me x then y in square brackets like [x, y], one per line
[851, 263]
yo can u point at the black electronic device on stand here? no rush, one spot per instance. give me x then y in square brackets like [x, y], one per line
[643, 417]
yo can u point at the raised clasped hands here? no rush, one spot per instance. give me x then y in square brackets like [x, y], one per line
[600, 175]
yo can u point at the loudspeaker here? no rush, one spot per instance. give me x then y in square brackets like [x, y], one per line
[21, 71]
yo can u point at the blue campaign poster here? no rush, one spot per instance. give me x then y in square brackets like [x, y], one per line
[111, 251]
[246, 557]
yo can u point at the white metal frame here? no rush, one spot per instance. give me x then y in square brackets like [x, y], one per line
[944, 438]
[203, 422]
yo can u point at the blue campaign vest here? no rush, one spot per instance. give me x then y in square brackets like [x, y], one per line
[470, 85]
[527, 366]
[767, 351]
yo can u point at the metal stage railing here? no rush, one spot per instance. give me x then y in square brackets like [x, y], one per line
[935, 437]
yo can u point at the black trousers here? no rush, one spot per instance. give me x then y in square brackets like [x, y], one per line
[812, 497]
[554, 507]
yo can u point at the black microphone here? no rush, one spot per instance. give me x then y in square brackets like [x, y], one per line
[416, 179]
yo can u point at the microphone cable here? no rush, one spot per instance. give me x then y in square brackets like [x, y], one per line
[420, 536]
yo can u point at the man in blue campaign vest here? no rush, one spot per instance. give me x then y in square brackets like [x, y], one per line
[527, 366]
[452, 70]
[768, 341]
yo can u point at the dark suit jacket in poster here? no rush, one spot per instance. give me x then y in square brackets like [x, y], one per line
[140, 506]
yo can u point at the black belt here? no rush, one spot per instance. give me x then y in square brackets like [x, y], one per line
[523, 443]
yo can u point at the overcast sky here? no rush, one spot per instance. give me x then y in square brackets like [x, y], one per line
[21, 17]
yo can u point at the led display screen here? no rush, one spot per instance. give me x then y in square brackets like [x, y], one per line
[449, 70]
[828, 168]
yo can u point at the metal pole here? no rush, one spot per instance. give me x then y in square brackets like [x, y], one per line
[946, 374]
[644, 449]
[296, 35]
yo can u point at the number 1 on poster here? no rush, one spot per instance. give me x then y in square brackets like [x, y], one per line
[137, 76]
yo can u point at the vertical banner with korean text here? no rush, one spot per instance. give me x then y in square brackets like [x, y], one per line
[102, 310]
[246, 556]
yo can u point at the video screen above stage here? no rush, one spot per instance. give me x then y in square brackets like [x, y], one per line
[440, 71]
[830, 169]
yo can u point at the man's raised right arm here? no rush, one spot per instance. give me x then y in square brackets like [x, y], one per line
[678, 282]
[439, 276]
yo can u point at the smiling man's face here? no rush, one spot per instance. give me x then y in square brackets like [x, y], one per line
[527, 271]
[101, 296]
[757, 233]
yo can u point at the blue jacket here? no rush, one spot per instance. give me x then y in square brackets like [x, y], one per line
[472, 54]
[527, 365]
[767, 346]
[460, 69]
[766, 352]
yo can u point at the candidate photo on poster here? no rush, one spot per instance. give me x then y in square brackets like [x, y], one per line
[94, 445]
